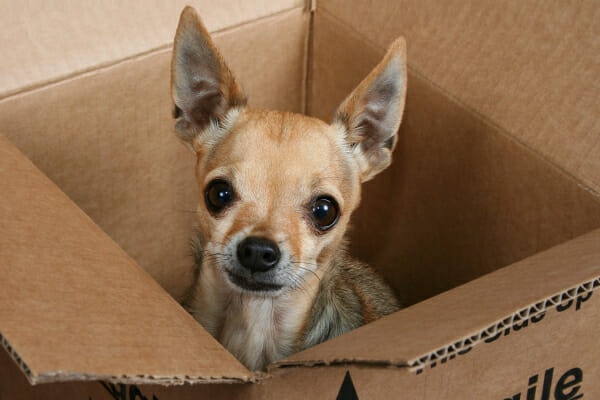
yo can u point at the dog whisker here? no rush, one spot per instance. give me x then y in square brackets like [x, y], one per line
[303, 266]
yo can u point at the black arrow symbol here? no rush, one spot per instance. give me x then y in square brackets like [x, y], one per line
[347, 390]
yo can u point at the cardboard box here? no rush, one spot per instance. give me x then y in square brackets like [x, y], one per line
[486, 225]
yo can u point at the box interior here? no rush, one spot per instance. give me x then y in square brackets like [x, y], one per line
[464, 196]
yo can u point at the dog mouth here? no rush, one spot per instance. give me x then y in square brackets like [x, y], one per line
[252, 285]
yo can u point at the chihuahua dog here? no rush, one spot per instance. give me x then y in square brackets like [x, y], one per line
[276, 193]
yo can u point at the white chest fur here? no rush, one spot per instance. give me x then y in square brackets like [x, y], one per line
[259, 330]
[256, 329]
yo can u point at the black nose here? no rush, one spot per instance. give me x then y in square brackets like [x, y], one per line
[258, 254]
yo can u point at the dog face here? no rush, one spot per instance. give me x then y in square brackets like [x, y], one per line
[277, 189]
[277, 192]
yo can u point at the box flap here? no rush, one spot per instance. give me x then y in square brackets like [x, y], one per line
[44, 42]
[74, 306]
[106, 139]
[465, 316]
[531, 68]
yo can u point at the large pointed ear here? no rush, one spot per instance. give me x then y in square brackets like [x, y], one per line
[371, 115]
[202, 86]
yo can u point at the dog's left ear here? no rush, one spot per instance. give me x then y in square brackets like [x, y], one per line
[202, 86]
[371, 115]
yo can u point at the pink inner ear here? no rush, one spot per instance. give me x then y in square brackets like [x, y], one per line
[196, 78]
[373, 111]
[203, 86]
[379, 118]
[208, 102]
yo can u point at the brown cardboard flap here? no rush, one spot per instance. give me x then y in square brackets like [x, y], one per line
[531, 68]
[74, 306]
[465, 316]
[107, 139]
[44, 42]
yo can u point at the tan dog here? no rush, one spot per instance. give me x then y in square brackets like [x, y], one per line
[277, 191]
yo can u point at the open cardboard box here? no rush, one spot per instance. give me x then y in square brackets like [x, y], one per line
[498, 164]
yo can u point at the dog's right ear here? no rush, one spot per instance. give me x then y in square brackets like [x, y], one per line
[370, 116]
[202, 86]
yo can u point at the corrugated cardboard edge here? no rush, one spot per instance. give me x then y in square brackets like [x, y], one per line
[16, 358]
[452, 350]
[71, 376]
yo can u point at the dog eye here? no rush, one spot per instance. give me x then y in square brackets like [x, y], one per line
[324, 213]
[218, 195]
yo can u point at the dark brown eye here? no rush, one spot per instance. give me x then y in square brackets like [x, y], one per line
[324, 213]
[218, 195]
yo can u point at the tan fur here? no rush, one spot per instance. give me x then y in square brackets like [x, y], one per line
[278, 163]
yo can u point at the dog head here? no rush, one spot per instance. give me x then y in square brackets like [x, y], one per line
[277, 189]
